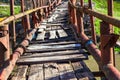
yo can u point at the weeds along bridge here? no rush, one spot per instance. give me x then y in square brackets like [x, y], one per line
[54, 45]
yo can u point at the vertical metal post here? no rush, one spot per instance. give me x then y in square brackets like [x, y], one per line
[110, 13]
[12, 25]
[69, 9]
[106, 39]
[46, 12]
[74, 13]
[49, 6]
[40, 12]
[23, 19]
[106, 49]
[82, 3]
[92, 24]
[80, 26]
[4, 45]
[59, 1]
[34, 16]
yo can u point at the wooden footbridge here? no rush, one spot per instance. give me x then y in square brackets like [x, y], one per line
[53, 45]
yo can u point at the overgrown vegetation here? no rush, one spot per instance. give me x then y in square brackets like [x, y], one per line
[98, 6]
[5, 11]
[5, 8]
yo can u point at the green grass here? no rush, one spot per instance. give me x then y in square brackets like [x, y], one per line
[101, 6]
[5, 11]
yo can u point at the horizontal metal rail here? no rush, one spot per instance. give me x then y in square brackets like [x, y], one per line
[106, 18]
[22, 14]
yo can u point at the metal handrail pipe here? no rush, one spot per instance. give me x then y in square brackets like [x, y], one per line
[20, 15]
[6, 71]
[106, 18]
[109, 70]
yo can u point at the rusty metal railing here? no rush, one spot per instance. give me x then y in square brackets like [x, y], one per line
[105, 56]
[39, 12]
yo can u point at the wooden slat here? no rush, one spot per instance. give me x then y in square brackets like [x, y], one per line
[52, 34]
[41, 36]
[51, 71]
[36, 72]
[55, 40]
[57, 53]
[38, 47]
[20, 73]
[81, 71]
[62, 33]
[57, 43]
[42, 26]
[66, 72]
[51, 49]
[64, 58]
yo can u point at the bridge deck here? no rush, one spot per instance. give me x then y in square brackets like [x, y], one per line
[54, 53]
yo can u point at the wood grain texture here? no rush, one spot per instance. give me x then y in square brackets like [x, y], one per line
[20, 73]
[66, 72]
[36, 60]
[51, 71]
[82, 72]
[36, 72]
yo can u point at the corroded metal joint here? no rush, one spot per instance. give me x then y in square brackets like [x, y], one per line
[23, 47]
[3, 33]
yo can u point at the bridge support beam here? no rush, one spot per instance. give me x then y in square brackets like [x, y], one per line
[92, 24]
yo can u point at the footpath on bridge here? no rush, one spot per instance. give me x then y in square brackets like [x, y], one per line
[55, 52]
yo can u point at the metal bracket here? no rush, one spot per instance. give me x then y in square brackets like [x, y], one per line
[2, 48]
[3, 33]
[109, 40]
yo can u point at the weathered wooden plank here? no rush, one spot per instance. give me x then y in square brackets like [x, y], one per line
[57, 43]
[65, 58]
[62, 33]
[36, 72]
[53, 34]
[57, 29]
[66, 72]
[38, 47]
[41, 36]
[51, 71]
[55, 40]
[40, 30]
[57, 53]
[52, 24]
[51, 49]
[20, 73]
[82, 72]
[43, 26]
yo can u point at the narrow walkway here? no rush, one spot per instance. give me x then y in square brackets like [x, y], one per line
[54, 53]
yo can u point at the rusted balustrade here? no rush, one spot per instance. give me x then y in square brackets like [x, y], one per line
[8, 60]
[104, 57]
[12, 28]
